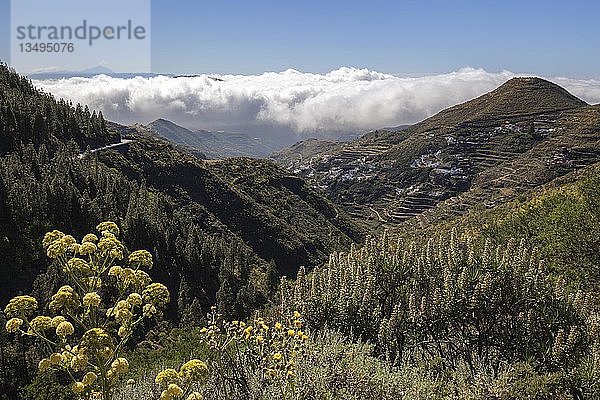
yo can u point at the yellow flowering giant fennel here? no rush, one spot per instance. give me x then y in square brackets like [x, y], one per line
[86, 334]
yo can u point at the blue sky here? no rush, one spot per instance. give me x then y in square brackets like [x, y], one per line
[550, 38]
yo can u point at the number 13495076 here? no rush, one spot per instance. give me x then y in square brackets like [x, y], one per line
[46, 47]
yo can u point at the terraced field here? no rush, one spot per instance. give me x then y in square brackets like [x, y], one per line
[477, 154]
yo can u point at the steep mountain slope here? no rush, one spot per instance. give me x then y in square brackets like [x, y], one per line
[300, 153]
[257, 200]
[27, 115]
[221, 231]
[560, 218]
[485, 151]
[213, 144]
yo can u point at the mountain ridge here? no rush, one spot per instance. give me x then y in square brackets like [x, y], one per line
[516, 130]
[213, 144]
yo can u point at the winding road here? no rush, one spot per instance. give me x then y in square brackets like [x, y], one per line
[123, 142]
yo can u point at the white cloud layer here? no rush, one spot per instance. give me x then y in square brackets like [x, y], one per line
[290, 103]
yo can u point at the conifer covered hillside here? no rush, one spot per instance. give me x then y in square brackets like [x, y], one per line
[27, 115]
[220, 230]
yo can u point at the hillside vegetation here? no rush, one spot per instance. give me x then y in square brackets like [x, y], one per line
[235, 279]
[28, 115]
[561, 219]
[212, 226]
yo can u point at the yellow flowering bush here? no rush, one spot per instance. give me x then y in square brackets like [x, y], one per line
[40, 323]
[194, 371]
[177, 385]
[86, 335]
[21, 306]
[14, 324]
[63, 329]
[268, 348]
